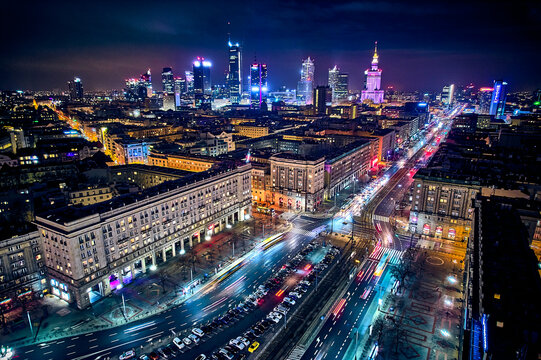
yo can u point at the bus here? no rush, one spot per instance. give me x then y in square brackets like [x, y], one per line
[271, 241]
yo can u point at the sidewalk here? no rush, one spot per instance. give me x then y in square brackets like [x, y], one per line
[168, 286]
[424, 321]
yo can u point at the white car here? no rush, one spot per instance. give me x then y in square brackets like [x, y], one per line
[296, 294]
[274, 319]
[194, 338]
[187, 341]
[237, 343]
[289, 300]
[179, 343]
[227, 354]
[306, 282]
[281, 309]
[243, 340]
[198, 332]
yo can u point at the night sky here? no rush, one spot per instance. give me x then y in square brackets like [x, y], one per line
[423, 45]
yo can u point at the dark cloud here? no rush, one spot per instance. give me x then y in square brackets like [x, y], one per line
[423, 44]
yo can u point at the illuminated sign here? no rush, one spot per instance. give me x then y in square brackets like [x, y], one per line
[374, 162]
[426, 229]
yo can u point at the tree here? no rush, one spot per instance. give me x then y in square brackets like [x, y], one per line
[398, 331]
[162, 277]
[379, 328]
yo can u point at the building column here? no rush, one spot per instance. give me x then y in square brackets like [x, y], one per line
[153, 258]
[174, 248]
[120, 277]
[182, 245]
[164, 256]
[132, 269]
[143, 265]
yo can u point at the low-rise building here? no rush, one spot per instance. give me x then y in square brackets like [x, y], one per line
[186, 162]
[252, 131]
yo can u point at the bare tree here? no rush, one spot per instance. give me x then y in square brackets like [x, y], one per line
[162, 277]
[379, 328]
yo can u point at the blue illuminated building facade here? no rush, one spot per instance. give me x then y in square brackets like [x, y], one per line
[258, 85]
[234, 75]
[201, 82]
[499, 96]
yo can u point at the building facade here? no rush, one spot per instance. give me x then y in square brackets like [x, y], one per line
[443, 208]
[297, 181]
[252, 131]
[234, 75]
[96, 250]
[22, 270]
[258, 85]
[90, 195]
[306, 83]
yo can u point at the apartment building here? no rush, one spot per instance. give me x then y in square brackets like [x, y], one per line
[252, 131]
[94, 250]
[21, 268]
[184, 162]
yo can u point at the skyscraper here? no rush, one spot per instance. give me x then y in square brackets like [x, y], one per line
[258, 84]
[333, 78]
[338, 82]
[484, 97]
[180, 89]
[372, 86]
[146, 81]
[448, 95]
[189, 82]
[75, 88]
[499, 96]
[168, 81]
[322, 99]
[201, 82]
[341, 91]
[306, 83]
[234, 76]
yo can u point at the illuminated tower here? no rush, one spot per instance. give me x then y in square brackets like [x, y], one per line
[499, 96]
[75, 88]
[333, 80]
[201, 82]
[306, 84]
[372, 86]
[258, 84]
[146, 81]
[168, 81]
[234, 76]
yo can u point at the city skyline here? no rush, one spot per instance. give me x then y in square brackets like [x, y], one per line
[484, 43]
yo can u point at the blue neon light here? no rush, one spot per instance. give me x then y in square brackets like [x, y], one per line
[485, 342]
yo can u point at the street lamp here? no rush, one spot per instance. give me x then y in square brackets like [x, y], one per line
[6, 353]
[153, 267]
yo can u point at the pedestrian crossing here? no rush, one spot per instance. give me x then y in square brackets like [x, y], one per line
[393, 254]
[303, 232]
[381, 218]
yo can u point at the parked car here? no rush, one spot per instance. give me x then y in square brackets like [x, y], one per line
[198, 332]
[153, 356]
[237, 343]
[201, 357]
[194, 338]
[289, 300]
[243, 340]
[187, 341]
[253, 347]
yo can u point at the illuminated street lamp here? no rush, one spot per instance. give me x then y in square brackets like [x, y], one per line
[451, 279]
[153, 267]
[6, 353]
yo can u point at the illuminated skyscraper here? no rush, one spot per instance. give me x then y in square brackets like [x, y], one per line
[146, 81]
[484, 96]
[180, 89]
[75, 88]
[333, 79]
[448, 95]
[258, 84]
[372, 86]
[338, 82]
[189, 82]
[234, 76]
[201, 82]
[168, 81]
[499, 96]
[306, 84]
[341, 91]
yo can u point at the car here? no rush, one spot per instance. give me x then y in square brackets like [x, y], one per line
[187, 341]
[127, 355]
[198, 332]
[172, 348]
[206, 329]
[305, 282]
[262, 288]
[226, 354]
[249, 335]
[266, 323]
[276, 314]
[167, 351]
[144, 357]
[253, 347]
[153, 356]
[282, 310]
[295, 295]
[201, 357]
[243, 340]
[286, 305]
[258, 331]
[237, 343]
[232, 349]
[272, 318]
[194, 338]
[241, 357]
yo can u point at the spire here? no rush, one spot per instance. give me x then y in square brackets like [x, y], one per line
[375, 52]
